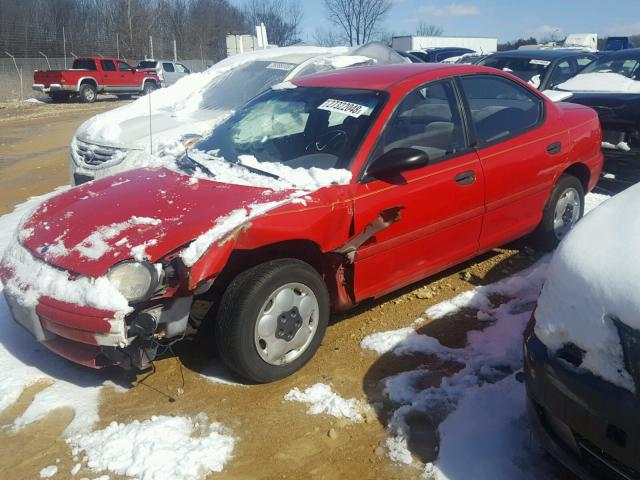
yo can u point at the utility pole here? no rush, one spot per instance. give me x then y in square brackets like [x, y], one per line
[117, 45]
[175, 51]
[151, 45]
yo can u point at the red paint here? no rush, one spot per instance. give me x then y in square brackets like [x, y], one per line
[442, 222]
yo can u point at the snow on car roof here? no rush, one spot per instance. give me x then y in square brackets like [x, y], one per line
[593, 278]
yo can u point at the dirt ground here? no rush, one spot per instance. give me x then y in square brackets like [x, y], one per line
[276, 439]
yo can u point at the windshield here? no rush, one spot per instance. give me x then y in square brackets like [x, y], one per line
[629, 67]
[296, 127]
[147, 64]
[528, 69]
[241, 84]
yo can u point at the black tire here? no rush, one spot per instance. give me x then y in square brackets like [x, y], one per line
[149, 87]
[240, 308]
[87, 93]
[546, 237]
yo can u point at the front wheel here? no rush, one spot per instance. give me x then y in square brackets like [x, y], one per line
[563, 210]
[272, 319]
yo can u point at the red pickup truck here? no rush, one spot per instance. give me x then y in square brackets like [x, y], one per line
[92, 75]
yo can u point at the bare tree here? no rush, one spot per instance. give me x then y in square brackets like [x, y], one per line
[325, 37]
[281, 17]
[357, 20]
[425, 29]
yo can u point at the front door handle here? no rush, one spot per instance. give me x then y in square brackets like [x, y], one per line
[466, 178]
[554, 148]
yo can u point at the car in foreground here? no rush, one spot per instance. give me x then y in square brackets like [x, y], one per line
[168, 71]
[91, 76]
[317, 195]
[581, 348]
[135, 134]
[439, 54]
[611, 86]
[543, 69]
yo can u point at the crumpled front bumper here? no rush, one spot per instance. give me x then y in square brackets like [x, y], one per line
[73, 332]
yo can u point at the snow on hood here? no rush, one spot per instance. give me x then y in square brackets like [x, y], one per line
[181, 100]
[557, 96]
[601, 82]
[593, 278]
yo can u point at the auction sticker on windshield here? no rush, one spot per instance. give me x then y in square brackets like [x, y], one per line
[346, 108]
[539, 62]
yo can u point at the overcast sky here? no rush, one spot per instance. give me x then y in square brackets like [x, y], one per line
[505, 19]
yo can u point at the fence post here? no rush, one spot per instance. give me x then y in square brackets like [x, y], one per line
[46, 58]
[175, 51]
[64, 47]
[117, 45]
[19, 71]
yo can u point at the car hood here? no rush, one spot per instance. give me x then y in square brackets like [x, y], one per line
[145, 213]
[134, 133]
[600, 82]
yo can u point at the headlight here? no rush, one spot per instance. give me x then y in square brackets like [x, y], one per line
[134, 280]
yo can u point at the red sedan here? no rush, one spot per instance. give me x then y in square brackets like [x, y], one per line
[317, 195]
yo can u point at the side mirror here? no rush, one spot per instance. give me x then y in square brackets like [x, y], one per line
[398, 160]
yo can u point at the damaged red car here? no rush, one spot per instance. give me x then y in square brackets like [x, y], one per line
[318, 194]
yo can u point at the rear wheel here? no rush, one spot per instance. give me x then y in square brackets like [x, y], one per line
[149, 87]
[87, 93]
[272, 319]
[563, 210]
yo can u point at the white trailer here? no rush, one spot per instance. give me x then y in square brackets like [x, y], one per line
[413, 42]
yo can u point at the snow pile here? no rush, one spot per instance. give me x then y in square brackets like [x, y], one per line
[490, 359]
[161, 448]
[322, 399]
[593, 280]
[601, 82]
[484, 433]
[622, 146]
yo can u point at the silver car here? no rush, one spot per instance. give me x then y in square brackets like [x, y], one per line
[168, 71]
[159, 126]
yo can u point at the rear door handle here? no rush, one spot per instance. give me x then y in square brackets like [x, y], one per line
[554, 148]
[466, 178]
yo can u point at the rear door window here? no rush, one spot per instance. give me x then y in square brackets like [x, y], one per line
[84, 64]
[500, 108]
[168, 67]
[108, 65]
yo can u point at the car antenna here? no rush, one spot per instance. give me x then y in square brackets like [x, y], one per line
[150, 126]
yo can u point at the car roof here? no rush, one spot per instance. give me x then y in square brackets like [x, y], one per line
[542, 54]
[629, 53]
[383, 77]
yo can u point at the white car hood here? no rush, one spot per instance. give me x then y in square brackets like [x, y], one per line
[135, 133]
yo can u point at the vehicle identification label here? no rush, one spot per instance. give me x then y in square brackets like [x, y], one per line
[539, 62]
[287, 67]
[346, 108]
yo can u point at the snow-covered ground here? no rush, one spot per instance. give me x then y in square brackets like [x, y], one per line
[485, 433]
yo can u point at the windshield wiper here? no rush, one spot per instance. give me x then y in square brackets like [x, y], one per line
[187, 164]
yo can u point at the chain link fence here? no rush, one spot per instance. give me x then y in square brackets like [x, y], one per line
[23, 50]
